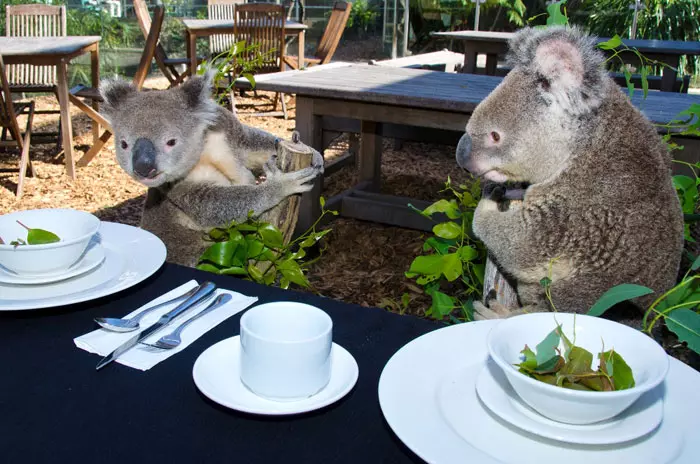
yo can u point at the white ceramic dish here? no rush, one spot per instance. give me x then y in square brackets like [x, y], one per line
[498, 395]
[131, 255]
[93, 257]
[646, 358]
[217, 375]
[74, 228]
[430, 402]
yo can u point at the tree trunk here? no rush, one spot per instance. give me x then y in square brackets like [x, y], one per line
[291, 156]
[496, 283]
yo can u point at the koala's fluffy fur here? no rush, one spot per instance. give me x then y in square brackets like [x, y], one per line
[198, 160]
[600, 203]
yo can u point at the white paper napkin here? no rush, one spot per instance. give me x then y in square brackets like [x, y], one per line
[103, 342]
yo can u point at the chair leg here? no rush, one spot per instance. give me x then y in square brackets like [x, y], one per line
[59, 140]
[284, 106]
[24, 162]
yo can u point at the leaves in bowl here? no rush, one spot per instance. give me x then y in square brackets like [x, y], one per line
[34, 237]
[573, 369]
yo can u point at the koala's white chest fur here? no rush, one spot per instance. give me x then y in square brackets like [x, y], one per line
[218, 165]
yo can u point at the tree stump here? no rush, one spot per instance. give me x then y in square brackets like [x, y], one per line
[292, 155]
[495, 283]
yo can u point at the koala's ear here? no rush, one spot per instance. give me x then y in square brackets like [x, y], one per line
[561, 62]
[198, 89]
[114, 93]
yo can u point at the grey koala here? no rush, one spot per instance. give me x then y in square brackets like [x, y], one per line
[600, 206]
[198, 160]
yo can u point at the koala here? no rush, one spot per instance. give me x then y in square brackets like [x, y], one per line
[198, 161]
[599, 208]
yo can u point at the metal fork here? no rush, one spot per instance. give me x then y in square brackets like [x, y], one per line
[173, 340]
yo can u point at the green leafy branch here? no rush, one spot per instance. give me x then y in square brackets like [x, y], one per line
[255, 250]
[451, 271]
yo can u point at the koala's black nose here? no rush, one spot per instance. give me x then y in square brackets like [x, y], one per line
[143, 158]
[464, 149]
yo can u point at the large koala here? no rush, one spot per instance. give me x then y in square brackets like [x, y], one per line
[198, 160]
[600, 205]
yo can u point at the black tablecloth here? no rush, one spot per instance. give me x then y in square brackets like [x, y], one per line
[54, 406]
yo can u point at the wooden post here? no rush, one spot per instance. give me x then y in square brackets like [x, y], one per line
[495, 281]
[291, 156]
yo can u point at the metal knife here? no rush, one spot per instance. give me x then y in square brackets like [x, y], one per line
[203, 292]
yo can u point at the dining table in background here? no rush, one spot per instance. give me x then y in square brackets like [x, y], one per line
[493, 44]
[57, 408]
[407, 104]
[57, 51]
[197, 28]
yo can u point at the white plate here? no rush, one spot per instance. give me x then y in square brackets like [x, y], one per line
[498, 395]
[93, 257]
[131, 255]
[428, 396]
[217, 374]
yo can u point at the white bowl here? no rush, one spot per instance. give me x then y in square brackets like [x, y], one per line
[74, 228]
[647, 359]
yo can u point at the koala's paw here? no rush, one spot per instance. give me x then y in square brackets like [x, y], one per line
[291, 183]
[493, 191]
[494, 310]
[317, 161]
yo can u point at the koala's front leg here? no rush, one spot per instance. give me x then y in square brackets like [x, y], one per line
[503, 232]
[214, 205]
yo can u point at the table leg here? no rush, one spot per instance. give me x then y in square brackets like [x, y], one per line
[491, 64]
[310, 131]
[669, 74]
[301, 37]
[470, 54]
[95, 70]
[191, 40]
[370, 156]
[66, 125]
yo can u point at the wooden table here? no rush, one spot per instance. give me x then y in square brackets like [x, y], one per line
[493, 44]
[195, 28]
[382, 100]
[57, 51]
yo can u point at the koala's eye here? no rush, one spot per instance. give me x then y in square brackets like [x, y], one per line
[171, 142]
[495, 136]
[125, 145]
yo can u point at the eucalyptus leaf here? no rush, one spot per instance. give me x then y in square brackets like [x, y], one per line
[255, 273]
[234, 270]
[451, 266]
[467, 253]
[610, 44]
[685, 323]
[620, 372]
[219, 254]
[617, 294]
[443, 304]
[39, 236]
[208, 268]
[448, 207]
[271, 235]
[447, 230]
[546, 349]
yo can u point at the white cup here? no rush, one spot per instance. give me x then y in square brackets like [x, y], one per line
[286, 350]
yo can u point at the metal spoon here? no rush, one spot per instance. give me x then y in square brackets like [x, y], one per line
[173, 340]
[128, 325]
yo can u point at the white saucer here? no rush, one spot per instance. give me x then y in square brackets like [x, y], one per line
[93, 257]
[217, 374]
[639, 419]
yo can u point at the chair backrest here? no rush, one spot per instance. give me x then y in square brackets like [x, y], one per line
[34, 20]
[261, 25]
[334, 30]
[143, 17]
[149, 49]
[8, 118]
[222, 9]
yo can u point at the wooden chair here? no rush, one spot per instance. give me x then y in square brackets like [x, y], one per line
[168, 66]
[93, 94]
[222, 9]
[9, 111]
[330, 39]
[35, 20]
[262, 25]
